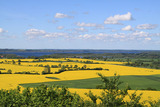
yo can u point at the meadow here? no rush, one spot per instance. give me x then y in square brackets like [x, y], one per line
[78, 80]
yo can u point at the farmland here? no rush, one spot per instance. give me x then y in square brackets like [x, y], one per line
[76, 76]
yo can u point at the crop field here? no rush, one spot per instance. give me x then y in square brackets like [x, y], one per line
[77, 80]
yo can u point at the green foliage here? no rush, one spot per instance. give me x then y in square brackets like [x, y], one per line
[13, 62]
[134, 100]
[145, 63]
[27, 72]
[2, 69]
[71, 68]
[54, 66]
[92, 97]
[154, 103]
[9, 71]
[112, 96]
[47, 70]
[19, 62]
[41, 96]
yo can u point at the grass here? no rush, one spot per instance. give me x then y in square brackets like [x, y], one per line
[135, 82]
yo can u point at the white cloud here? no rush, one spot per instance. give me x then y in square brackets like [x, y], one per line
[97, 26]
[148, 39]
[127, 28]
[55, 34]
[85, 36]
[132, 36]
[86, 24]
[140, 34]
[60, 27]
[116, 18]
[35, 33]
[2, 30]
[61, 15]
[147, 26]
[3, 34]
[81, 29]
[32, 33]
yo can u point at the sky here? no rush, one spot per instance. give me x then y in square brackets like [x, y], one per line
[80, 24]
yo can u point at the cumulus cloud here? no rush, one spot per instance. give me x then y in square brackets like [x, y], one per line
[86, 24]
[52, 21]
[134, 36]
[85, 36]
[148, 39]
[60, 27]
[131, 36]
[97, 26]
[2, 30]
[36, 33]
[147, 26]
[81, 29]
[116, 18]
[127, 28]
[32, 33]
[3, 34]
[61, 15]
[55, 34]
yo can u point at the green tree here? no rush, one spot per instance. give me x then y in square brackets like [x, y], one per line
[19, 62]
[85, 66]
[59, 65]
[47, 70]
[9, 71]
[13, 62]
[75, 66]
[128, 61]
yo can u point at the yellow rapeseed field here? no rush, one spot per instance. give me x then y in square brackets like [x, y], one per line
[8, 81]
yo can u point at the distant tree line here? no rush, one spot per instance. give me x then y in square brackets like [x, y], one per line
[75, 67]
[10, 56]
[143, 63]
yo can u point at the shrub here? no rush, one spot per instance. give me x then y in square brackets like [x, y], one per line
[9, 71]
[41, 96]
[27, 72]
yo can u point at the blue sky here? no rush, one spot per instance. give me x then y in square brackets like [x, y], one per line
[80, 24]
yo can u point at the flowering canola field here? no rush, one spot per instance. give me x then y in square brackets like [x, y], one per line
[8, 81]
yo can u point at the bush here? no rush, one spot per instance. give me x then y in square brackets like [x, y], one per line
[54, 66]
[41, 96]
[9, 71]
[2, 69]
[27, 72]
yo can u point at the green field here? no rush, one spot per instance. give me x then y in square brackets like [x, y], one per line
[135, 82]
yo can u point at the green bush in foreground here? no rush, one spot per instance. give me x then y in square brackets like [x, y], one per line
[55, 96]
[41, 96]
